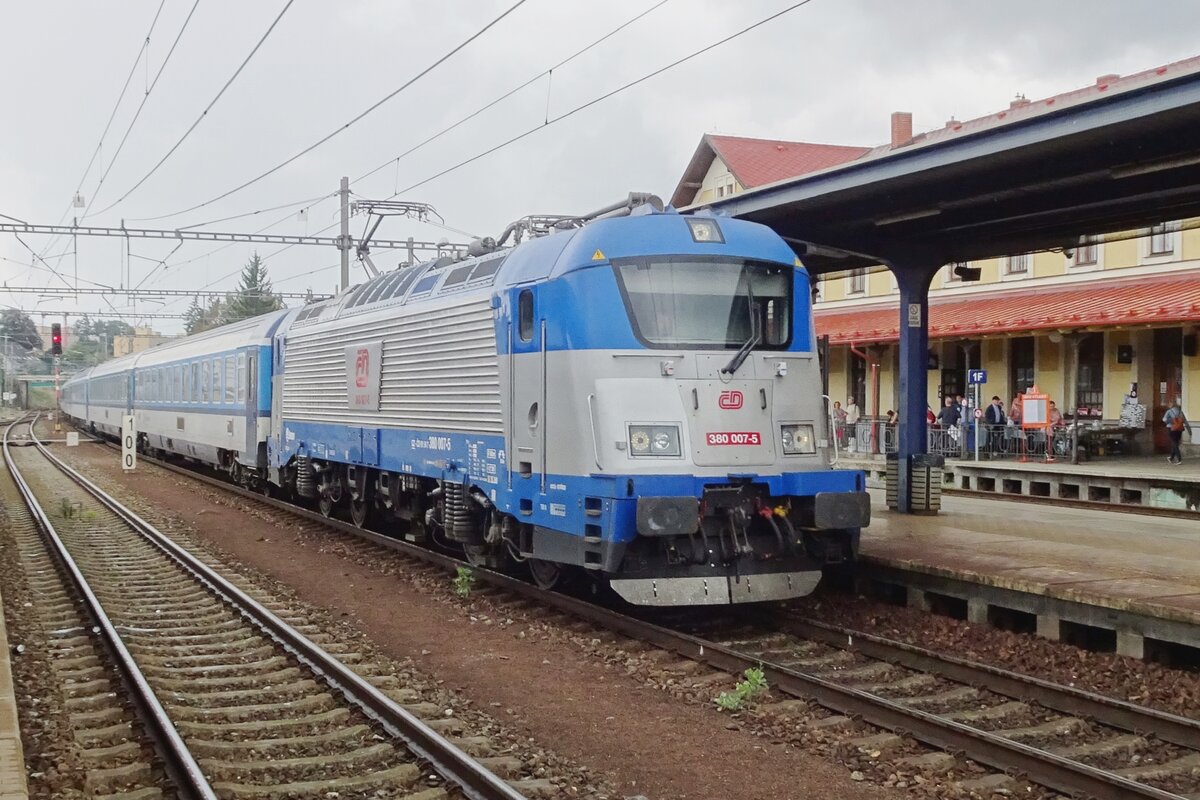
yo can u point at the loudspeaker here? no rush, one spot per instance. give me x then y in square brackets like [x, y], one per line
[1124, 354]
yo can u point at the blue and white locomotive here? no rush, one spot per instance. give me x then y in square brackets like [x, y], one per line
[634, 399]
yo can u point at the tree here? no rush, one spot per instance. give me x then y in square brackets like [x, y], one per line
[20, 330]
[253, 296]
[101, 331]
[85, 353]
[199, 318]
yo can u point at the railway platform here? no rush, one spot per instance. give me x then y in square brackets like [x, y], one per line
[12, 760]
[1132, 481]
[1116, 581]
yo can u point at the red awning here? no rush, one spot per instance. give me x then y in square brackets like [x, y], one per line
[1132, 302]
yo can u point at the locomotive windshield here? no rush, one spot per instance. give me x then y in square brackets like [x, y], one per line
[705, 302]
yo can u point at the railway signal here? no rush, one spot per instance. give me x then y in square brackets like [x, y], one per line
[56, 339]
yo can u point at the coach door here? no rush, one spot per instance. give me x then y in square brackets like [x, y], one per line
[248, 384]
[527, 390]
[1168, 382]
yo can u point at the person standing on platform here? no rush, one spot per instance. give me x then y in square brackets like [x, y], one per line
[1056, 417]
[949, 416]
[839, 422]
[1176, 424]
[1014, 411]
[852, 416]
[995, 420]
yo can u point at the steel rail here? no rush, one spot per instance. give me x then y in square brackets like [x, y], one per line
[1039, 766]
[180, 764]
[1108, 711]
[475, 780]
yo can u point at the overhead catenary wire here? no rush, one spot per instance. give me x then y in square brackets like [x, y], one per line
[357, 118]
[203, 114]
[137, 114]
[544, 73]
[396, 160]
[108, 125]
[607, 95]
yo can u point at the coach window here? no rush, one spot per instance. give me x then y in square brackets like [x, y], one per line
[216, 380]
[525, 315]
[204, 382]
[178, 383]
[230, 379]
[241, 378]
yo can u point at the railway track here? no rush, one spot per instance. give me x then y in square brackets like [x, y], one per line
[1059, 737]
[234, 696]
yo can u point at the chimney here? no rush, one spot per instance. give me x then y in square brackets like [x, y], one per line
[1104, 80]
[1020, 101]
[901, 128]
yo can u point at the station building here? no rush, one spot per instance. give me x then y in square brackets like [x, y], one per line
[1128, 301]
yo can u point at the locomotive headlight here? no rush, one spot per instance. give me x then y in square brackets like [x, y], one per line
[798, 440]
[654, 441]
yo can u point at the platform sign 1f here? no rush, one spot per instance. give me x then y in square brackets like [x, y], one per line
[975, 377]
[128, 444]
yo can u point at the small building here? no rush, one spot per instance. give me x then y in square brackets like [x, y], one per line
[143, 338]
[1087, 323]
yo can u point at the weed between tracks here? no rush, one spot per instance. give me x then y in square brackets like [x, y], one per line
[755, 684]
[464, 579]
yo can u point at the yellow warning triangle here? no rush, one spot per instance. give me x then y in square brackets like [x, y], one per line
[598, 256]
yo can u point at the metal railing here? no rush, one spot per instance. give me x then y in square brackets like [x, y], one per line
[878, 437]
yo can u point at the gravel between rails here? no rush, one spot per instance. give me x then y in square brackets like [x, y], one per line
[533, 668]
[231, 681]
[80, 739]
[254, 717]
[1176, 691]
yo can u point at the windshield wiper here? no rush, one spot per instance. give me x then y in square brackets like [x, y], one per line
[743, 352]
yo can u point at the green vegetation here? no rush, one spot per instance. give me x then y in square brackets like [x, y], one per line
[755, 683]
[252, 298]
[463, 581]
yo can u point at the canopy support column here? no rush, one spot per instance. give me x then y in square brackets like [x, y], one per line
[913, 281]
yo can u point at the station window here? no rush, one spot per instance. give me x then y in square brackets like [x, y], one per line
[1162, 239]
[856, 282]
[525, 315]
[1086, 253]
[1017, 265]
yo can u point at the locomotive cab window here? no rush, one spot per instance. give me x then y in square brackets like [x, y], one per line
[525, 315]
[707, 302]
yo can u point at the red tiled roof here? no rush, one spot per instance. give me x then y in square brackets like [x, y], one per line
[755, 162]
[1163, 300]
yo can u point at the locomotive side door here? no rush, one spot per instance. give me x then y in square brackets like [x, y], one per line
[527, 392]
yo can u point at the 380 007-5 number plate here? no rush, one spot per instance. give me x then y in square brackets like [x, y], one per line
[718, 438]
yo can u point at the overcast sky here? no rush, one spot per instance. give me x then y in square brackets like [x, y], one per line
[831, 71]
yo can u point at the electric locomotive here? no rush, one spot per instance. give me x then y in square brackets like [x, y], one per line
[632, 396]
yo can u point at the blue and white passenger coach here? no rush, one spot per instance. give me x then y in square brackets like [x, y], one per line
[635, 399]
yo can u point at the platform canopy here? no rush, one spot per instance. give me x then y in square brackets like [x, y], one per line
[1114, 156]
[1121, 154]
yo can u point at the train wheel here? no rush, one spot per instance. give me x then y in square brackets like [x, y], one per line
[325, 505]
[360, 512]
[546, 574]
